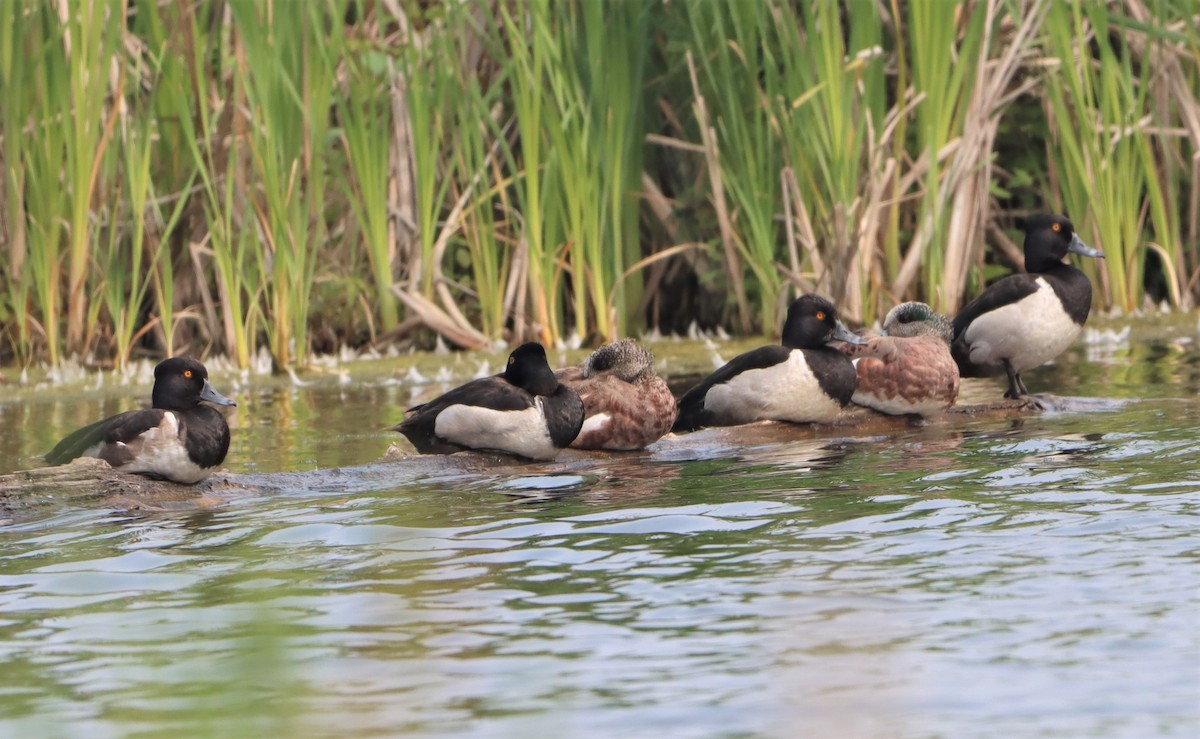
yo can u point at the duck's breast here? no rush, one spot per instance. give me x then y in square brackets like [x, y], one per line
[1028, 332]
[160, 451]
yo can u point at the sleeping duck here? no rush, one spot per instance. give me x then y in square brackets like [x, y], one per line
[801, 381]
[1026, 320]
[908, 370]
[525, 411]
[626, 405]
[178, 439]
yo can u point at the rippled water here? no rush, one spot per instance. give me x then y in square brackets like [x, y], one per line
[975, 577]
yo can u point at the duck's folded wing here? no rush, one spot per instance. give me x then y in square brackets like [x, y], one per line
[122, 427]
[920, 369]
[760, 358]
[691, 406]
[487, 392]
[1007, 290]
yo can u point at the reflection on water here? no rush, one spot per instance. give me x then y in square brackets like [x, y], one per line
[992, 577]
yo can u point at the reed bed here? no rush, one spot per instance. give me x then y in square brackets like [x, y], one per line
[246, 177]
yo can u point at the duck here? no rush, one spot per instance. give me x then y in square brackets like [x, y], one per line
[626, 405]
[1025, 320]
[908, 370]
[179, 438]
[802, 380]
[524, 411]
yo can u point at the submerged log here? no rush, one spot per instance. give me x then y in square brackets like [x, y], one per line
[90, 482]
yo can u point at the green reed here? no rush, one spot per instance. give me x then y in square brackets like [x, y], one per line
[126, 283]
[167, 35]
[365, 114]
[732, 45]
[829, 94]
[173, 182]
[593, 124]
[206, 134]
[944, 46]
[429, 74]
[47, 202]
[286, 66]
[1096, 104]
[91, 34]
[17, 38]
[527, 66]
[489, 258]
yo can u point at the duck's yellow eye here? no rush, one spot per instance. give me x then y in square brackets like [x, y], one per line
[1055, 227]
[187, 374]
[820, 315]
[512, 360]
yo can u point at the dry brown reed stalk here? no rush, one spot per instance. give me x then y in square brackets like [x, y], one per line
[712, 160]
[969, 173]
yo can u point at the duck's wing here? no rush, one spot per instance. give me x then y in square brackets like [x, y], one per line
[623, 415]
[123, 428]
[486, 392]
[692, 414]
[493, 392]
[999, 294]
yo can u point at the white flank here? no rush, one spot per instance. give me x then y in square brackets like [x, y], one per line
[162, 453]
[516, 432]
[594, 423]
[898, 406]
[787, 391]
[1029, 332]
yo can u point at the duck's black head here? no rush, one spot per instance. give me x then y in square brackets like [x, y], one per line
[812, 322]
[528, 369]
[180, 383]
[916, 319]
[624, 358]
[1048, 238]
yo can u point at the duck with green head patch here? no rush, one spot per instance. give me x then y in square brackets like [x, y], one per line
[908, 370]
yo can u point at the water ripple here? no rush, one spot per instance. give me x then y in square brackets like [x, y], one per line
[987, 584]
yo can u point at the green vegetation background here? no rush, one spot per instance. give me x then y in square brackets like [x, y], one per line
[240, 176]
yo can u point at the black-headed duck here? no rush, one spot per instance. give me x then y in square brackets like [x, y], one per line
[179, 438]
[525, 411]
[1025, 320]
[802, 380]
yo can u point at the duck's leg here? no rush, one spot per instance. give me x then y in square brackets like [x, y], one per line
[1016, 388]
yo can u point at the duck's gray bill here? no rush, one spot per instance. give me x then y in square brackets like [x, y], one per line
[211, 395]
[1079, 247]
[841, 333]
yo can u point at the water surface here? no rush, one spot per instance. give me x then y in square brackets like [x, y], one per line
[974, 577]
